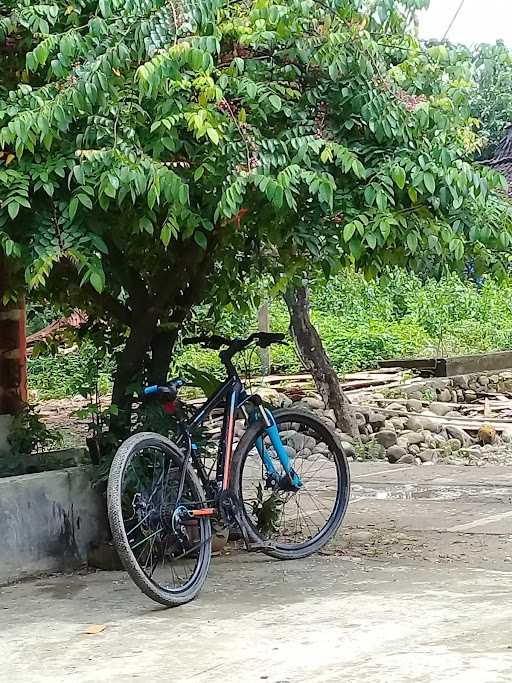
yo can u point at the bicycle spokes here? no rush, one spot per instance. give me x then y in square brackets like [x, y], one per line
[164, 545]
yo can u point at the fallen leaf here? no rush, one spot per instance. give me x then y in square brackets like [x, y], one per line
[94, 629]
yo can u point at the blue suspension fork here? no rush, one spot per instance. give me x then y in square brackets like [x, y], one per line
[273, 434]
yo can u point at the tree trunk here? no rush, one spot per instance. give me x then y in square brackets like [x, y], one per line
[316, 360]
[161, 351]
[129, 364]
[264, 326]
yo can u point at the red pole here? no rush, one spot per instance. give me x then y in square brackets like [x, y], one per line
[13, 352]
[22, 346]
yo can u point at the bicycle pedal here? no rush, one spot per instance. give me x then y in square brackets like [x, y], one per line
[259, 547]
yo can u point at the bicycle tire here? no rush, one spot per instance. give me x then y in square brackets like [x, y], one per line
[295, 551]
[167, 597]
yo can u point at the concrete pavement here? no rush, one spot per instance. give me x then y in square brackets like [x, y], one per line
[417, 589]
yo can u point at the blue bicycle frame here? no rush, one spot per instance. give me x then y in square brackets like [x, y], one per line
[236, 399]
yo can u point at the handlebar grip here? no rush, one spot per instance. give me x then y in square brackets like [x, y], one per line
[188, 341]
[215, 341]
[268, 338]
[148, 391]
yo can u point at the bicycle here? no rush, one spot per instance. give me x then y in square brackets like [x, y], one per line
[162, 499]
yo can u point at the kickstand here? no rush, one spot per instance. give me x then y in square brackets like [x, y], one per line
[251, 547]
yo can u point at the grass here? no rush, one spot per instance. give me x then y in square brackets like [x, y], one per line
[360, 323]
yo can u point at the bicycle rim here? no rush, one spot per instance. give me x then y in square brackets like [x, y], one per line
[295, 523]
[168, 561]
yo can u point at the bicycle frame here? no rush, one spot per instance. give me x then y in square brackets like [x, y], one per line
[236, 398]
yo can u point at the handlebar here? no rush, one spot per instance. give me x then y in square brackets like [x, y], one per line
[233, 346]
[169, 391]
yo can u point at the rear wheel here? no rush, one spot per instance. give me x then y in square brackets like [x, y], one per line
[295, 523]
[166, 557]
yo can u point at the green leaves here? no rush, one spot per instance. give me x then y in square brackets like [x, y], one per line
[275, 101]
[213, 135]
[350, 147]
[398, 175]
[97, 280]
[412, 242]
[429, 182]
[200, 239]
[170, 230]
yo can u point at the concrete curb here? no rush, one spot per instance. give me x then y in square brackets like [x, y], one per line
[48, 522]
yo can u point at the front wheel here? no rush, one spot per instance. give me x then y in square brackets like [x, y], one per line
[168, 560]
[292, 524]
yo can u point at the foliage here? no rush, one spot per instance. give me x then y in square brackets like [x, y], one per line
[157, 156]
[28, 434]
[28, 440]
[266, 511]
[57, 375]
[491, 102]
[311, 110]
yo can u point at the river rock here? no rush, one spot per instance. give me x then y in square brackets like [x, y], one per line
[397, 407]
[417, 423]
[376, 420]
[398, 422]
[344, 437]
[313, 402]
[484, 380]
[470, 395]
[429, 439]
[302, 441]
[428, 455]
[452, 413]
[414, 449]
[414, 405]
[506, 434]
[440, 409]
[394, 453]
[460, 381]
[412, 437]
[360, 419]
[385, 438]
[269, 395]
[292, 453]
[406, 459]
[458, 433]
[445, 396]
[348, 449]
[330, 424]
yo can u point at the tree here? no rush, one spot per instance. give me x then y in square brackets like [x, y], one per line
[155, 153]
[316, 360]
[491, 102]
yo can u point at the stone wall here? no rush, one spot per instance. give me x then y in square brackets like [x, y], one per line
[420, 421]
[458, 389]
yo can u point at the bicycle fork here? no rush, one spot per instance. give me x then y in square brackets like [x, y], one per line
[291, 480]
